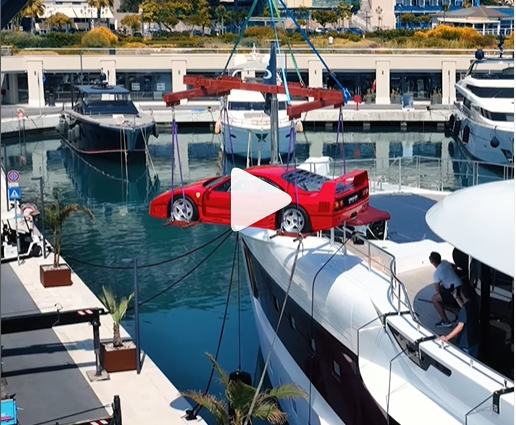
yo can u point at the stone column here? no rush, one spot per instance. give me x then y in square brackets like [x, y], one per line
[448, 82]
[315, 75]
[184, 141]
[35, 84]
[316, 147]
[179, 69]
[382, 157]
[383, 82]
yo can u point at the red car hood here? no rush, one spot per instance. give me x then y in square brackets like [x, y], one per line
[160, 206]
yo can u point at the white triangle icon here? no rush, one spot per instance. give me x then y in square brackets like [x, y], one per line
[253, 199]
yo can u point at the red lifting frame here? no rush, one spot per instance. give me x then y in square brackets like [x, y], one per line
[222, 87]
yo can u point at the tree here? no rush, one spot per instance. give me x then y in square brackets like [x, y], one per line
[325, 17]
[201, 14]
[59, 20]
[150, 11]
[55, 216]
[237, 18]
[222, 16]
[99, 5]
[408, 19]
[424, 20]
[240, 397]
[266, 11]
[129, 6]
[172, 12]
[33, 9]
[117, 309]
[344, 12]
[133, 22]
[446, 7]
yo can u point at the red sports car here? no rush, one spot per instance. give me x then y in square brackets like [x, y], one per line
[322, 203]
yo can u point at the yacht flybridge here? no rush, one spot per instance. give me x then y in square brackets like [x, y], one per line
[357, 332]
[484, 122]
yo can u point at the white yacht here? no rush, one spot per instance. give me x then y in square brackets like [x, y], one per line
[244, 123]
[484, 121]
[358, 331]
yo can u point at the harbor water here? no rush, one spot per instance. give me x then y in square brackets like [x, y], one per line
[178, 327]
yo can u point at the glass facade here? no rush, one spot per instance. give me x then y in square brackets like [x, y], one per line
[60, 84]
[356, 83]
[146, 85]
[420, 85]
[23, 87]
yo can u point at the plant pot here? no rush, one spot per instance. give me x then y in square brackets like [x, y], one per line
[396, 100]
[121, 359]
[368, 99]
[436, 100]
[53, 277]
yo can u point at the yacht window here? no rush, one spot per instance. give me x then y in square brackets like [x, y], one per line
[251, 271]
[467, 103]
[246, 106]
[492, 92]
[497, 116]
[312, 345]
[294, 406]
[293, 322]
[336, 369]
[282, 106]
[276, 303]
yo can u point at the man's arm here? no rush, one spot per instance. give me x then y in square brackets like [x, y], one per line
[454, 333]
[437, 287]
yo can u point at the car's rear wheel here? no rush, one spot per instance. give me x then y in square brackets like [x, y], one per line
[294, 219]
[184, 209]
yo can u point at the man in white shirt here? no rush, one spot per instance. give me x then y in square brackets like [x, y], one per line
[447, 287]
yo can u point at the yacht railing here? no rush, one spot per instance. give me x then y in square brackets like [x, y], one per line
[423, 172]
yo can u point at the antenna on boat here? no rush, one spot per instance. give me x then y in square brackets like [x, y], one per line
[271, 104]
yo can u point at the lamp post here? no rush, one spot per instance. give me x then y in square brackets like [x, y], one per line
[134, 261]
[42, 213]
[140, 11]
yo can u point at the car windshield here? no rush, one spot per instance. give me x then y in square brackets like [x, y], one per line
[215, 182]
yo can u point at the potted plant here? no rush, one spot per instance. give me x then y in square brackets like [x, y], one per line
[396, 96]
[436, 97]
[118, 355]
[240, 396]
[369, 97]
[56, 274]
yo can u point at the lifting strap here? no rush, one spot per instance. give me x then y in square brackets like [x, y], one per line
[175, 147]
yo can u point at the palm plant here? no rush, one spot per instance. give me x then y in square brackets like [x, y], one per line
[33, 9]
[99, 5]
[117, 309]
[240, 397]
[55, 216]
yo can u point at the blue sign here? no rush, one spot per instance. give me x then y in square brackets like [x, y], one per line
[44, 79]
[14, 193]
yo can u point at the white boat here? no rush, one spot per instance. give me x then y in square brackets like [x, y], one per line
[358, 332]
[484, 121]
[246, 129]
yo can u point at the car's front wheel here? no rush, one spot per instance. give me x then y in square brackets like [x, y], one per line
[294, 219]
[184, 209]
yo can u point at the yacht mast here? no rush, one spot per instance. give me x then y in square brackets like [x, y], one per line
[274, 129]
[271, 103]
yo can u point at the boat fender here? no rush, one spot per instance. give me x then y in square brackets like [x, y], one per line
[60, 127]
[495, 142]
[155, 131]
[451, 150]
[299, 127]
[451, 122]
[456, 127]
[70, 135]
[217, 127]
[465, 135]
[76, 133]
[66, 126]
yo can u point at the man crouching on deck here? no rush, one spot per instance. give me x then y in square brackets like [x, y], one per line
[445, 282]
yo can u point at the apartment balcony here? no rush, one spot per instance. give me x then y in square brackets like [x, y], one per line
[420, 10]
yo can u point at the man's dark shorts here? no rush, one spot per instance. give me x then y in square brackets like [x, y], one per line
[446, 295]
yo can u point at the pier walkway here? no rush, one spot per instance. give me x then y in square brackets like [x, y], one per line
[47, 369]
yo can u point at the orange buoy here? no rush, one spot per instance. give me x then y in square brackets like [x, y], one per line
[299, 127]
[217, 127]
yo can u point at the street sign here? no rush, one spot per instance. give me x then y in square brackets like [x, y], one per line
[17, 184]
[14, 193]
[13, 176]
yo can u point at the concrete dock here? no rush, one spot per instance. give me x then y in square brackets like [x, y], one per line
[47, 369]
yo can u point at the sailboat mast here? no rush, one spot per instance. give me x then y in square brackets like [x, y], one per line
[274, 129]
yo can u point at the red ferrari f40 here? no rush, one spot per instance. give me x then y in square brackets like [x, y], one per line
[318, 203]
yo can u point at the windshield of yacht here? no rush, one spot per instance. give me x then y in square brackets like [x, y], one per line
[491, 69]
[252, 106]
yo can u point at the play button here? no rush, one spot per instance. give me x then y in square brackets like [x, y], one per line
[252, 199]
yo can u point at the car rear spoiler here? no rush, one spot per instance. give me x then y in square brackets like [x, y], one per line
[357, 178]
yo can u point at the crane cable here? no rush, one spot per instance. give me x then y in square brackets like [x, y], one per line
[269, 355]
[195, 411]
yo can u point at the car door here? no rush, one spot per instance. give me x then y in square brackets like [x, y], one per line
[217, 203]
[268, 222]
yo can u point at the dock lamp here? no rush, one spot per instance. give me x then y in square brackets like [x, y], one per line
[134, 261]
[42, 212]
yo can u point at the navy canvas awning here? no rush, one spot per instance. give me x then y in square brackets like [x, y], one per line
[103, 89]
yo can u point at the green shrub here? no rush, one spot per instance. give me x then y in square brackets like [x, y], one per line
[56, 40]
[95, 39]
[391, 34]
[21, 40]
[228, 38]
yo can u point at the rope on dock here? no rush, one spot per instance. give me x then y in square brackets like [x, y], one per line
[146, 266]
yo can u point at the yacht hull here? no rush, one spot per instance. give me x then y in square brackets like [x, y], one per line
[97, 139]
[486, 143]
[256, 142]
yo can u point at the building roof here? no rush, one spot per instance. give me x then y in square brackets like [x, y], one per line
[482, 12]
[76, 10]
